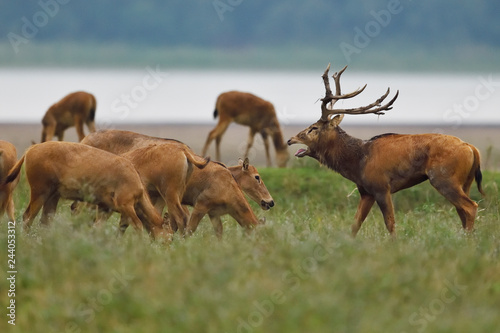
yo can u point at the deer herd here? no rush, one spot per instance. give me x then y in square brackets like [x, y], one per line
[138, 176]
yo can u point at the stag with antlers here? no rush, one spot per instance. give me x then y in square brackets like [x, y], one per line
[391, 162]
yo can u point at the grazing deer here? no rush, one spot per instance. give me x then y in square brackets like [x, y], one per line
[165, 170]
[248, 110]
[203, 187]
[73, 110]
[217, 190]
[8, 158]
[74, 171]
[388, 163]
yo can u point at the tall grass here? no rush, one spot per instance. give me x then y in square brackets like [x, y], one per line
[300, 272]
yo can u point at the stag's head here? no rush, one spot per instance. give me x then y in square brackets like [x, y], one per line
[319, 136]
[251, 183]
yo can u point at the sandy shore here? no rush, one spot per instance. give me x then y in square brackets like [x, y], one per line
[486, 138]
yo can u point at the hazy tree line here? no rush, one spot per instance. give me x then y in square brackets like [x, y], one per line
[241, 23]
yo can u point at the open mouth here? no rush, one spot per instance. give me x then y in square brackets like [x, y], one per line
[301, 152]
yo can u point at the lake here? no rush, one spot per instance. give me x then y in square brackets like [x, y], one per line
[157, 95]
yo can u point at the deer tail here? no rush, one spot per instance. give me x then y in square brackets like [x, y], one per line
[93, 105]
[216, 113]
[196, 160]
[478, 176]
[14, 172]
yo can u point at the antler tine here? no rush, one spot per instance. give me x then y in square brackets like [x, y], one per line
[329, 97]
[336, 78]
[371, 108]
[328, 94]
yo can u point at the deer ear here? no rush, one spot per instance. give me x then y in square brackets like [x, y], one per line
[246, 163]
[335, 121]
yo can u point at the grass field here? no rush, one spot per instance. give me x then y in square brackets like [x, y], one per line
[300, 272]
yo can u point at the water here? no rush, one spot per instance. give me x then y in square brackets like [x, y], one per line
[154, 95]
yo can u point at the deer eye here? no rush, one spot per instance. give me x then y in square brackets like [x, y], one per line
[312, 129]
[258, 178]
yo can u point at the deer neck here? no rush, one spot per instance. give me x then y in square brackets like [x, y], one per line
[343, 154]
[279, 143]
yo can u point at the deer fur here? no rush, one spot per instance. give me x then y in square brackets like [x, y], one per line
[64, 170]
[75, 109]
[165, 169]
[215, 192]
[245, 176]
[389, 163]
[8, 158]
[248, 110]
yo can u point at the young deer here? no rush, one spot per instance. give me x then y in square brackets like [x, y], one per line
[67, 170]
[249, 110]
[214, 189]
[388, 163]
[74, 109]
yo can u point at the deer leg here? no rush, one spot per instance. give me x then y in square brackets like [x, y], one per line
[216, 134]
[217, 224]
[10, 208]
[48, 132]
[36, 202]
[157, 201]
[251, 135]
[91, 126]
[178, 217]
[365, 204]
[128, 212]
[384, 202]
[265, 138]
[195, 218]
[79, 127]
[454, 193]
[49, 209]
[60, 135]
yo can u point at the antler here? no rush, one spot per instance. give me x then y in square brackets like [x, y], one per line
[331, 99]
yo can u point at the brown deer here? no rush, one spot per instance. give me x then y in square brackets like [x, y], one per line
[165, 170]
[388, 163]
[74, 171]
[217, 190]
[248, 110]
[208, 181]
[8, 158]
[73, 110]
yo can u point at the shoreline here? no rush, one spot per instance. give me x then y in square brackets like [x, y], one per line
[485, 137]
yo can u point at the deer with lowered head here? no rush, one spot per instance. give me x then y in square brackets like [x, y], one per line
[68, 170]
[214, 190]
[252, 111]
[75, 109]
[390, 162]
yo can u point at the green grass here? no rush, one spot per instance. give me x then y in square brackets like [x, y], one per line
[301, 272]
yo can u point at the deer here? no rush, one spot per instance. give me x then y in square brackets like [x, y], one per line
[248, 110]
[390, 162]
[8, 158]
[165, 170]
[75, 109]
[245, 175]
[217, 190]
[66, 170]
